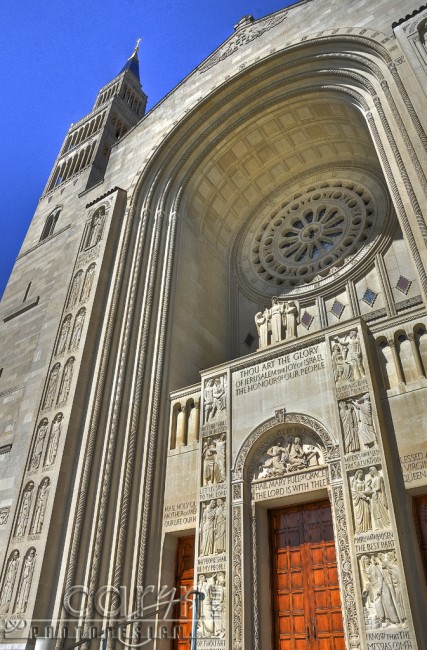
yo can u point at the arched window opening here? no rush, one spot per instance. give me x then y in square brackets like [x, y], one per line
[388, 370]
[406, 358]
[421, 343]
[49, 225]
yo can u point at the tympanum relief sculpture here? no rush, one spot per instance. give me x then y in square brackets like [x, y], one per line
[212, 611]
[278, 323]
[212, 532]
[347, 359]
[9, 582]
[214, 460]
[381, 591]
[288, 454]
[215, 399]
[357, 424]
[370, 505]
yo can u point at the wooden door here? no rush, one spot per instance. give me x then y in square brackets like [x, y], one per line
[184, 582]
[420, 508]
[306, 598]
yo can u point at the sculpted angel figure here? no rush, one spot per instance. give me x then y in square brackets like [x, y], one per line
[279, 456]
[262, 324]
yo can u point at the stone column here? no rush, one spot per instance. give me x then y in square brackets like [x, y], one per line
[416, 355]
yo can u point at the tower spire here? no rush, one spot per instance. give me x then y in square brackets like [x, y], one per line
[132, 64]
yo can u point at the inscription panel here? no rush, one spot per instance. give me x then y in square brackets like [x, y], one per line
[293, 484]
[180, 515]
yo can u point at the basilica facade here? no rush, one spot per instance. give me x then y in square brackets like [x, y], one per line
[213, 357]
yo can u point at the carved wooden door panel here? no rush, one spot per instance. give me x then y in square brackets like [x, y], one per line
[184, 583]
[421, 520]
[306, 599]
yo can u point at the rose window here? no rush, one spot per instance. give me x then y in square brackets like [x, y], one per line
[314, 234]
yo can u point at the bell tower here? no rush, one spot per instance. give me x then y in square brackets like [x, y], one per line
[120, 104]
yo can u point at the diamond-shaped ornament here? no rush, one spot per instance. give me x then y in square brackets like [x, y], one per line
[337, 308]
[370, 297]
[403, 284]
[306, 320]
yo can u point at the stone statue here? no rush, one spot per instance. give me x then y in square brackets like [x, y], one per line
[87, 286]
[350, 426]
[291, 317]
[40, 507]
[262, 323]
[66, 381]
[51, 386]
[55, 434]
[220, 528]
[214, 397]
[24, 511]
[342, 370]
[379, 506]
[220, 453]
[360, 493]
[25, 582]
[94, 234]
[39, 443]
[365, 429]
[62, 341]
[276, 319]
[77, 329]
[9, 582]
[75, 289]
[377, 592]
[211, 470]
[354, 355]
[208, 530]
[209, 401]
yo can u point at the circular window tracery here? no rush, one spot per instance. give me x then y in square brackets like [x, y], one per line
[313, 234]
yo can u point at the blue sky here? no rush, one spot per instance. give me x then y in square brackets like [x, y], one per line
[56, 55]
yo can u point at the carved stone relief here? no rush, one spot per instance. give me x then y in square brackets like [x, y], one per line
[212, 612]
[212, 531]
[347, 359]
[87, 285]
[67, 377]
[9, 582]
[75, 289]
[357, 424]
[24, 510]
[278, 323]
[63, 336]
[214, 460]
[289, 454]
[77, 329]
[4, 515]
[25, 581]
[370, 505]
[51, 386]
[55, 434]
[215, 398]
[94, 231]
[39, 444]
[381, 591]
[40, 507]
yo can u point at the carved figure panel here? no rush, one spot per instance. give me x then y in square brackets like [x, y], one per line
[214, 460]
[25, 581]
[51, 387]
[347, 359]
[77, 329]
[75, 289]
[370, 505]
[212, 532]
[39, 444]
[55, 434]
[287, 453]
[9, 581]
[87, 285]
[357, 424]
[381, 591]
[94, 230]
[40, 507]
[212, 612]
[215, 399]
[67, 377]
[278, 323]
[4, 515]
[63, 336]
[24, 510]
